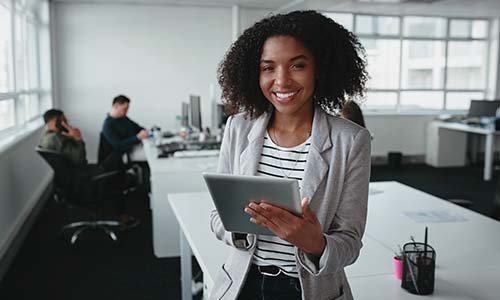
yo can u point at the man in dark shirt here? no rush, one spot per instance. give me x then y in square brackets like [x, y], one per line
[120, 132]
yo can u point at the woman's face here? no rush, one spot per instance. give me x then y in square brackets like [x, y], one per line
[287, 71]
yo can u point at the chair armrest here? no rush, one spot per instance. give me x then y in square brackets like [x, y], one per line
[104, 175]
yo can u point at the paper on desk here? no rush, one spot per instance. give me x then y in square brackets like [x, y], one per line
[434, 216]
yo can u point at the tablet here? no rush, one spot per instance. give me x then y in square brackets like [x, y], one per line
[232, 193]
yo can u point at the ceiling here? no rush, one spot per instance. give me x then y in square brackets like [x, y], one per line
[465, 8]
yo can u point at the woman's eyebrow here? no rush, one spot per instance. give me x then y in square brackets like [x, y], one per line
[301, 56]
[268, 61]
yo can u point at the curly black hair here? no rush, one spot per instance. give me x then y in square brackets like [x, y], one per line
[339, 59]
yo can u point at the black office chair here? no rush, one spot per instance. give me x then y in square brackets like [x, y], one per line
[83, 188]
[111, 160]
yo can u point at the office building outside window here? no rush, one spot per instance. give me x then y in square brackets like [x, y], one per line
[419, 64]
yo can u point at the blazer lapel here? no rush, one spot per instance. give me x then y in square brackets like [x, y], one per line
[250, 156]
[316, 167]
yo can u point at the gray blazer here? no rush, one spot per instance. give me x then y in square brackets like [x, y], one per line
[336, 180]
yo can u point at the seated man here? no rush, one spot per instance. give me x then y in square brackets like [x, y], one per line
[61, 137]
[119, 131]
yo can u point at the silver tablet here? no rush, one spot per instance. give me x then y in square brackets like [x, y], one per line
[231, 193]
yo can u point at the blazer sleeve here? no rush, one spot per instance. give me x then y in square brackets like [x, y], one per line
[225, 167]
[343, 239]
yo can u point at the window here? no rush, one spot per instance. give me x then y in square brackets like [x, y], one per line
[418, 63]
[24, 96]
[6, 113]
[377, 25]
[343, 19]
[383, 63]
[426, 27]
[422, 65]
[5, 50]
[466, 65]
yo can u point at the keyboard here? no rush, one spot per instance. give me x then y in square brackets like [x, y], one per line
[197, 153]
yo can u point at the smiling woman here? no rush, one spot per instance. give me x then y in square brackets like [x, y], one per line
[279, 80]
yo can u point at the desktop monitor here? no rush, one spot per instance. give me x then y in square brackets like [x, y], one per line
[185, 114]
[195, 108]
[221, 115]
[483, 108]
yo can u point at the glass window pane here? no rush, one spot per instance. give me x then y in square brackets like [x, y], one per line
[345, 20]
[423, 64]
[381, 100]
[45, 102]
[21, 53]
[377, 25]
[466, 65]
[7, 117]
[5, 50]
[383, 63]
[460, 28]
[32, 57]
[422, 100]
[479, 29]
[30, 106]
[388, 25]
[460, 100]
[424, 27]
[364, 25]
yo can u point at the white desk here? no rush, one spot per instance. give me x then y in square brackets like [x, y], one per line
[172, 175]
[446, 144]
[468, 253]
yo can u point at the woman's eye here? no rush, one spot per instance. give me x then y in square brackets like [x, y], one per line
[298, 66]
[267, 68]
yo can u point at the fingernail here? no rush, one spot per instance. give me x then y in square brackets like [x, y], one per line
[252, 220]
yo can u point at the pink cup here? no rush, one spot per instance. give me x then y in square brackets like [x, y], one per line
[398, 267]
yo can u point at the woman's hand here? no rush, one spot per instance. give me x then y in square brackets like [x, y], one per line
[303, 232]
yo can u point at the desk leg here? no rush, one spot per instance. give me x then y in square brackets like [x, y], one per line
[488, 157]
[186, 271]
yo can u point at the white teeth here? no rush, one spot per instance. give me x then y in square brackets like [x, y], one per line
[285, 95]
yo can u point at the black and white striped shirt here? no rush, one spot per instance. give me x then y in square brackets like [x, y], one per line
[281, 162]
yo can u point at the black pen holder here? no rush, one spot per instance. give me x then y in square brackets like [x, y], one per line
[419, 263]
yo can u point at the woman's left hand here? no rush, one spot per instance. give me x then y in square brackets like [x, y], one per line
[303, 232]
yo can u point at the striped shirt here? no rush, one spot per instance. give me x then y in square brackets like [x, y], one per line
[281, 162]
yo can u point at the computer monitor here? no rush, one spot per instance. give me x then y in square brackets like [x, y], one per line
[195, 108]
[221, 115]
[483, 108]
[185, 114]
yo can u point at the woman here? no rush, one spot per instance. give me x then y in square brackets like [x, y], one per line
[278, 79]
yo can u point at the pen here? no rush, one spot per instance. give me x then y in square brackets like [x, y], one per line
[425, 243]
[411, 273]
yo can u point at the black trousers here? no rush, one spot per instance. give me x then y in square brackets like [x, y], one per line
[263, 287]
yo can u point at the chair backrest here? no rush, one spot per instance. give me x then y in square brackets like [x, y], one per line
[352, 112]
[63, 175]
[104, 149]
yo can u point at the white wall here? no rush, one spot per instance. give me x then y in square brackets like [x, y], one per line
[156, 55]
[23, 178]
[399, 133]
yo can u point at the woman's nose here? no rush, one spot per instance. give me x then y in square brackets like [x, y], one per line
[282, 78]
